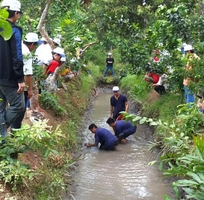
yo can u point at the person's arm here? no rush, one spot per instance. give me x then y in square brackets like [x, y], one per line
[111, 111]
[126, 106]
[90, 145]
[17, 58]
[202, 104]
[93, 144]
[159, 82]
[28, 82]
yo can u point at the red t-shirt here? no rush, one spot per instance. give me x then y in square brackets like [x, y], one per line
[154, 76]
[52, 67]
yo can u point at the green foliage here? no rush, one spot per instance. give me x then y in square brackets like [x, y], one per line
[40, 138]
[50, 101]
[183, 158]
[136, 86]
[165, 106]
[38, 73]
[15, 173]
[5, 27]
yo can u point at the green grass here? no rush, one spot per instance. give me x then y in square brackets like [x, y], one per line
[135, 86]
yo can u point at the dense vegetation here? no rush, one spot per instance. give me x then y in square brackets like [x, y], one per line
[131, 30]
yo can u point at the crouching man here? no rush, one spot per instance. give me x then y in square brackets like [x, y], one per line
[103, 136]
[122, 129]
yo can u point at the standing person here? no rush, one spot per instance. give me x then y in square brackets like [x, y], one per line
[109, 64]
[189, 52]
[122, 129]
[103, 136]
[29, 44]
[11, 70]
[118, 103]
[42, 51]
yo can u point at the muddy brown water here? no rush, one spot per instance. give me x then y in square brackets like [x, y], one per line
[118, 175]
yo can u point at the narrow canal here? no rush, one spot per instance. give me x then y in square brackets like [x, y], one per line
[119, 175]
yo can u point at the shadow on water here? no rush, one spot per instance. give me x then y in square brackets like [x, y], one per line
[119, 175]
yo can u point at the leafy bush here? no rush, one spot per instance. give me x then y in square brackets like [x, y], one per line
[39, 138]
[135, 86]
[49, 100]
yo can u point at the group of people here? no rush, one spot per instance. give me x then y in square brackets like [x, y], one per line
[159, 81]
[12, 78]
[121, 128]
[17, 86]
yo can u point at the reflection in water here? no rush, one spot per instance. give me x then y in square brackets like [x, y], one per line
[118, 175]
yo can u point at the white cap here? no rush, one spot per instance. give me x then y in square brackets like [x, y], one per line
[43, 39]
[109, 53]
[184, 44]
[31, 37]
[77, 39]
[58, 50]
[13, 5]
[115, 89]
[188, 47]
[57, 41]
[63, 59]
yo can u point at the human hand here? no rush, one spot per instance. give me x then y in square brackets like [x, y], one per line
[30, 94]
[87, 144]
[21, 87]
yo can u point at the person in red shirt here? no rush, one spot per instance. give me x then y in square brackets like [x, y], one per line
[151, 77]
[57, 53]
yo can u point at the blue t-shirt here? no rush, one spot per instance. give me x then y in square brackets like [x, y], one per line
[119, 105]
[124, 127]
[104, 137]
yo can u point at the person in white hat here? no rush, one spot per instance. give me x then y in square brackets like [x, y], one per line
[11, 70]
[57, 54]
[30, 43]
[57, 42]
[43, 53]
[189, 52]
[109, 64]
[118, 103]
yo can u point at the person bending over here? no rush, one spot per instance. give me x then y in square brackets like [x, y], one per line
[122, 129]
[103, 136]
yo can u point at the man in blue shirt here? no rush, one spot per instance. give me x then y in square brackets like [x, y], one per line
[103, 136]
[118, 103]
[122, 129]
[12, 83]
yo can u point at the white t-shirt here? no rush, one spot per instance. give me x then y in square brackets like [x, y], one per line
[27, 60]
[43, 54]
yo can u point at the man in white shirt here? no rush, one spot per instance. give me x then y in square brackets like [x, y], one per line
[43, 53]
[29, 44]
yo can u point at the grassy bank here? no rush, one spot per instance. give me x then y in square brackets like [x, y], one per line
[47, 149]
[178, 135]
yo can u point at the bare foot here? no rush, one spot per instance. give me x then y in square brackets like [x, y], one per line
[123, 141]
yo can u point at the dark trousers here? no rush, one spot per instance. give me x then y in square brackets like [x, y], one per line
[111, 147]
[160, 89]
[18, 121]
